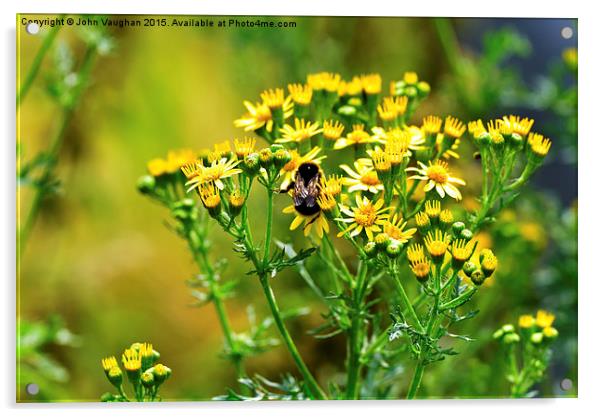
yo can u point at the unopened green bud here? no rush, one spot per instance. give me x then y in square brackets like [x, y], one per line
[281, 158]
[469, 268]
[147, 379]
[266, 158]
[355, 101]
[393, 249]
[275, 147]
[457, 228]
[370, 249]
[115, 376]
[251, 164]
[508, 328]
[424, 89]
[347, 111]
[161, 373]
[146, 184]
[516, 140]
[107, 397]
[477, 277]
[511, 338]
[411, 91]
[465, 234]
[537, 338]
[484, 139]
[498, 334]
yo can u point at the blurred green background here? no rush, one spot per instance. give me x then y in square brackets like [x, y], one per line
[102, 270]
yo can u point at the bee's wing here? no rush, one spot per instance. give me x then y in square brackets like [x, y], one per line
[313, 191]
[299, 192]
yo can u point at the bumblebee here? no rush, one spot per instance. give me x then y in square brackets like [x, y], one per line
[306, 189]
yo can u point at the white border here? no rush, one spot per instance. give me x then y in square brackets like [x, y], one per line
[589, 211]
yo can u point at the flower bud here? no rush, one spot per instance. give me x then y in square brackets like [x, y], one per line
[410, 91]
[465, 234]
[516, 140]
[446, 218]
[347, 111]
[537, 338]
[382, 240]
[236, 201]
[457, 228]
[147, 379]
[393, 249]
[370, 249]
[115, 376]
[511, 338]
[423, 222]
[266, 158]
[469, 268]
[477, 277]
[161, 373]
[424, 89]
[488, 262]
[550, 333]
[251, 164]
[508, 328]
[281, 158]
[146, 184]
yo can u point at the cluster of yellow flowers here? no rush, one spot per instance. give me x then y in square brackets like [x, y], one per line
[374, 194]
[536, 330]
[145, 375]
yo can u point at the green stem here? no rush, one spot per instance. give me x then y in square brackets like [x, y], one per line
[416, 380]
[404, 297]
[419, 371]
[312, 384]
[449, 43]
[54, 149]
[355, 340]
[202, 260]
[36, 64]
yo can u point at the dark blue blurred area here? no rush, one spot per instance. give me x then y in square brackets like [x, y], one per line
[559, 174]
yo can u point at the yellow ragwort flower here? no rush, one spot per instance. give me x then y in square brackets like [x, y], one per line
[332, 185]
[244, 146]
[437, 177]
[302, 131]
[109, 363]
[415, 252]
[332, 130]
[350, 88]
[214, 173]
[273, 98]
[539, 145]
[392, 107]
[519, 126]
[526, 321]
[432, 208]
[324, 81]
[364, 178]
[365, 216]
[544, 319]
[371, 83]
[431, 125]
[355, 137]
[315, 221]
[394, 228]
[436, 244]
[453, 127]
[410, 77]
[421, 267]
[210, 196]
[300, 93]
[131, 360]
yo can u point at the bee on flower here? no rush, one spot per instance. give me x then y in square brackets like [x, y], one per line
[287, 173]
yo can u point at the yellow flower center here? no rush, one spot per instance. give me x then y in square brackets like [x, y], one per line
[263, 114]
[437, 248]
[365, 215]
[437, 173]
[369, 178]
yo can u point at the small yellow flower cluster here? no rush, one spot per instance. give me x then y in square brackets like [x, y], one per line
[145, 375]
[536, 330]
